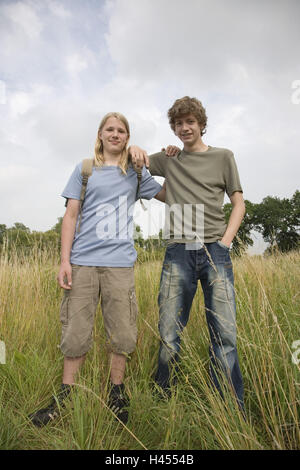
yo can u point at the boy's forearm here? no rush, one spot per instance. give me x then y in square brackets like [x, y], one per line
[67, 236]
[234, 223]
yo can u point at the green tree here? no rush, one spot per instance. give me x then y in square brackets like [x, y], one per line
[57, 226]
[19, 236]
[278, 220]
[21, 227]
[3, 229]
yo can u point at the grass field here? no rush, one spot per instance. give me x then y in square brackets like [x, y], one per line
[268, 305]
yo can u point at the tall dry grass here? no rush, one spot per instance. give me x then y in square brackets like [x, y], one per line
[268, 300]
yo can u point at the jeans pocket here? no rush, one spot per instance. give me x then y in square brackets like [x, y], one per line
[222, 245]
[171, 250]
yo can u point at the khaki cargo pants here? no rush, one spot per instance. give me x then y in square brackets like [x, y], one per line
[115, 286]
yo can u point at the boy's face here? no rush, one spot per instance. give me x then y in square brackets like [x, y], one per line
[187, 129]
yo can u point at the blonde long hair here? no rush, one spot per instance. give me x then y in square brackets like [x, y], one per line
[98, 157]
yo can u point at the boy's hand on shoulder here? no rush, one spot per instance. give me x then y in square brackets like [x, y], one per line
[139, 156]
[171, 151]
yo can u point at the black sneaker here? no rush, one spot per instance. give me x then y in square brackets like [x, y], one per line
[118, 402]
[161, 393]
[42, 417]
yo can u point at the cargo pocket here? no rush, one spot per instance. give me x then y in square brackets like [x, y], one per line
[133, 306]
[64, 310]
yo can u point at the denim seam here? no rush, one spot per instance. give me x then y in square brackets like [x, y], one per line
[169, 281]
[230, 301]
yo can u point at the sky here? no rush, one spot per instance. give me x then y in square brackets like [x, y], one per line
[65, 63]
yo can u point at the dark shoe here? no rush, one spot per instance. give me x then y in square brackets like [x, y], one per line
[42, 417]
[161, 393]
[118, 402]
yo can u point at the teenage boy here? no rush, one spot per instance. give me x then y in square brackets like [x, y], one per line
[199, 175]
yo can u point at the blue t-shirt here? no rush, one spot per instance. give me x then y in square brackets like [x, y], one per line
[106, 230]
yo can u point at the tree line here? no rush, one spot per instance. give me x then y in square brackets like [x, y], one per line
[278, 221]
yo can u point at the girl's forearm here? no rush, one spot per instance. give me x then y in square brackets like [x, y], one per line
[67, 236]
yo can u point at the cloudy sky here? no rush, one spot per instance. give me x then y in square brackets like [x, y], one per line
[65, 63]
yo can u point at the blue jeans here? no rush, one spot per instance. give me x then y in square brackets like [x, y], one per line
[182, 268]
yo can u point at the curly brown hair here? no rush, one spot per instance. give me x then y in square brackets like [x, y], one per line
[187, 105]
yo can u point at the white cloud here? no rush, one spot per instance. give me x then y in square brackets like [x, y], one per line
[231, 56]
[75, 64]
[64, 70]
[24, 16]
[18, 173]
[58, 9]
[19, 103]
[200, 38]
[228, 124]
[81, 60]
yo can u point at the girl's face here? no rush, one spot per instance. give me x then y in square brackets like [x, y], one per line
[113, 135]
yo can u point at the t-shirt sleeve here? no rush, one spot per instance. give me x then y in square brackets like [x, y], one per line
[232, 179]
[73, 187]
[149, 187]
[158, 162]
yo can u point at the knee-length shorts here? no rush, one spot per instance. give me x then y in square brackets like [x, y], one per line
[115, 287]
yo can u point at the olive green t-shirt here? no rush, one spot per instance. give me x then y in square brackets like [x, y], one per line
[199, 179]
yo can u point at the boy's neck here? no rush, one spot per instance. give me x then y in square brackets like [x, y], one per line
[199, 146]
